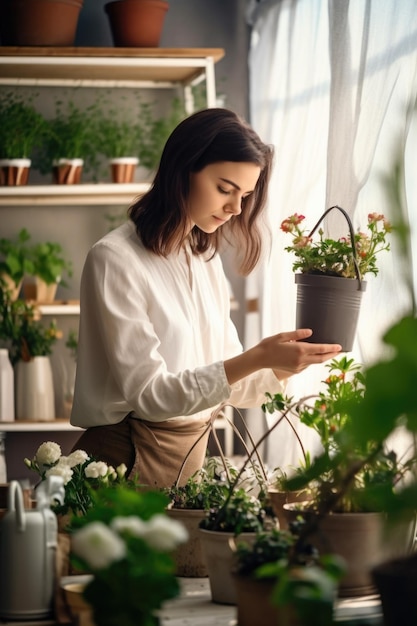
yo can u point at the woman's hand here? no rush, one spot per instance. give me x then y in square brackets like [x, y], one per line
[285, 353]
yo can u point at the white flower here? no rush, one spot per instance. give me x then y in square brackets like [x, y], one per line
[95, 469]
[98, 545]
[78, 457]
[131, 524]
[48, 453]
[164, 533]
[121, 470]
[60, 469]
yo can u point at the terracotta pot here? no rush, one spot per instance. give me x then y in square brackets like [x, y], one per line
[219, 558]
[253, 598]
[279, 498]
[14, 172]
[67, 171]
[136, 23]
[189, 556]
[81, 611]
[330, 306]
[362, 540]
[123, 169]
[39, 291]
[39, 22]
[11, 286]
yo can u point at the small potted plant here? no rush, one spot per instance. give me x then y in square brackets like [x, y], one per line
[29, 343]
[21, 128]
[205, 490]
[15, 261]
[119, 135]
[48, 266]
[280, 581]
[126, 541]
[70, 146]
[350, 480]
[330, 275]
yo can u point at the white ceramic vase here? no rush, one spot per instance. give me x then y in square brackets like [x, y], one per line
[35, 399]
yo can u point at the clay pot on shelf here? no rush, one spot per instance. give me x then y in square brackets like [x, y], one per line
[39, 22]
[136, 23]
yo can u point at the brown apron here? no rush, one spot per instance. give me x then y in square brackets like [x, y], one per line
[153, 452]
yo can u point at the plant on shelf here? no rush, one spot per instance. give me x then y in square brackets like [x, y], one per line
[334, 257]
[156, 130]
[21, 330]
[22, 127]
[15, 260]
[126, 541]
[81, 475]
[71, 134]
[49, 263]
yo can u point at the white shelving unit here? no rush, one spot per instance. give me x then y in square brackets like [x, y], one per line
[136, 68]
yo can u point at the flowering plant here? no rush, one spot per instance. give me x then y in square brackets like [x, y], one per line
[126, 541]
[80, 473]
[21, 330]
[335, 257]
[373, 469]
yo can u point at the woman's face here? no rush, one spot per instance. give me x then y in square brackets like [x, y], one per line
[217, 191]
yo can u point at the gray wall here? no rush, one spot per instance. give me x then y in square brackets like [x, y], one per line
[189, 23]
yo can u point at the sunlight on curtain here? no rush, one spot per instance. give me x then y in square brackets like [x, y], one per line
[331, 84]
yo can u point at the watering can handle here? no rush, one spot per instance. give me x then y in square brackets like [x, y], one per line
[351, 233]
[15, 503]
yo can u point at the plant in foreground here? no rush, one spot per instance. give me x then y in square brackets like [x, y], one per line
[126, 541]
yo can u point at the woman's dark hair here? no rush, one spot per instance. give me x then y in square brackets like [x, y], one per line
[206, 137]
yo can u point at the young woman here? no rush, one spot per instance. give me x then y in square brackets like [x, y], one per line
[158, 352]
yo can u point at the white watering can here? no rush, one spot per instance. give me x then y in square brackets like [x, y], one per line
[28, 543]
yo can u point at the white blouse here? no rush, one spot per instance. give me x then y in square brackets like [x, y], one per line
[154, 333]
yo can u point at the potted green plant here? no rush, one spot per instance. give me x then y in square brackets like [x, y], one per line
[206, 489]
[126, 541]
[21, 128]
[119, 135]
[70, 146]
[48, 266]
[15, 261]
[278, 584]
[156, 130]
[29, 343]
[329, 275]
[357, 511]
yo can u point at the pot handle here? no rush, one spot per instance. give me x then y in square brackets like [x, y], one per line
[15, 503]
[351, 234]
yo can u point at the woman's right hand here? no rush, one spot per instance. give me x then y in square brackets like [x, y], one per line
[285, 353]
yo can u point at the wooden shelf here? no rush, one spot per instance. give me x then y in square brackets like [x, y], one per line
[21, 426]
[106, 66]
[107, 194]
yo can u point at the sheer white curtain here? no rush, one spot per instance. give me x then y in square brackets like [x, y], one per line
[331, 86]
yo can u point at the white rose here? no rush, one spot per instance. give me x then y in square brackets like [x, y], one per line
[48, 453]
[121, 470]
[98, 545]
[131, 524]
[61, 469]
[164, 533]
[95, 469]
[78, 457]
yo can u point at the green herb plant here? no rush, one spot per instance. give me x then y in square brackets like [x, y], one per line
[49, 263]
[22, 127]
[15, 256]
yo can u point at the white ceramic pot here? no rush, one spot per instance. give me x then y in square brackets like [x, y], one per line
[35, 399]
